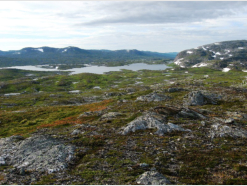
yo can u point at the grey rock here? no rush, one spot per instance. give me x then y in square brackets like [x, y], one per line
[22, 171]
[110, 115]
[198, 98]
[152, 178]
[218, 130]
[229, 121]
[75, 132]
[40, 153]
[143, 165]
[122, 101]
[151, 120]
[2, 161]
[75, 92]
[189, 113]
[152, 97]
[236, 115]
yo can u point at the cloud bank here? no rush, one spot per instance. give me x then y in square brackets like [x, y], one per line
[162, 26]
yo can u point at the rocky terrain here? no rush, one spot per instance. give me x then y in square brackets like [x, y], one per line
[220, 55]
[179, 126]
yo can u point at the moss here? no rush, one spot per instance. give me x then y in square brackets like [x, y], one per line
[242, 168]
[46, 180]
[235, 181]
[92, 141]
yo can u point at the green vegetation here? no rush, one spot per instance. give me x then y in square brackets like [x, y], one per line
[45, 102]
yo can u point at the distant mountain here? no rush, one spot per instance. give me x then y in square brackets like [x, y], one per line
[226, 54]
[49, 55]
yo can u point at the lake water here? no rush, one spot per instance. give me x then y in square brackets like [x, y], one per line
[98, 69]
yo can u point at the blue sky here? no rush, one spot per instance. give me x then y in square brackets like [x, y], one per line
[161, 26]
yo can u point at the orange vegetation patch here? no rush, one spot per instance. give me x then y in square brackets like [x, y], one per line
[74, 119]
[99, 106]
[1, 177]
[68, 120]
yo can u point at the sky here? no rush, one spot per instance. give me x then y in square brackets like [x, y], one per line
[159, 26]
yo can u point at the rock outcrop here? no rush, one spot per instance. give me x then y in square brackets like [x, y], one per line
[151, 120]
[38, 153]
[218, 130]
[152, 178]
[152, 97]
[110, 115]
[195, 98]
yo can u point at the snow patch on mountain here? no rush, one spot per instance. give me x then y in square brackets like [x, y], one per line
[178, 62]
[40, 49]
[226, 69]
[200, 65]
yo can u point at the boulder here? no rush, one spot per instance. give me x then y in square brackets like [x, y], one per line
[218, 130]
[152, 97]
[110, 115]
[189, 113]
[198, 98]
[152, 178]
[76, 132]
[151, 120]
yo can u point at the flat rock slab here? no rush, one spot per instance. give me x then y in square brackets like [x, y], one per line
[152, 178]
[218, 130]
[152, 97]
[39, 153]
[110, 115]
[151, 120]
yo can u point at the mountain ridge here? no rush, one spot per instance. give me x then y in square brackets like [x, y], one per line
[73, 55]
[218, 55]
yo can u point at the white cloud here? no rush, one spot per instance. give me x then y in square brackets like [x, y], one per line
[155, 26]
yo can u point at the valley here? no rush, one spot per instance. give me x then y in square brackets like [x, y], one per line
[179, 125]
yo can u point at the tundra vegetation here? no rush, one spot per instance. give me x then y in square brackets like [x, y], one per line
[89, 112]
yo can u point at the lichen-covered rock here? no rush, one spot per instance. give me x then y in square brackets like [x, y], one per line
[152, 178]
[198, 98]
[110, 115]
[188, 113]
[151, 120]
[90, 113]
[76, 132]
[218, 130]
[40, 153]
[152, 97]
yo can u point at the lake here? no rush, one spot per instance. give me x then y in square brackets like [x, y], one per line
[98, 69]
